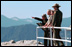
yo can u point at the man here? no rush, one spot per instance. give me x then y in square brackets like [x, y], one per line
[49, 22]
[43, 20]
[57, 19]
[46, 31]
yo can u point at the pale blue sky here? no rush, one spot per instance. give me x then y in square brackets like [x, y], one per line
[27, 9]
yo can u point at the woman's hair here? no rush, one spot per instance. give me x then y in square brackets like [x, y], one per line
[52, 11]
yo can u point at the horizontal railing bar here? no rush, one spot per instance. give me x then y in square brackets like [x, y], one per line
[66, 38]
[67, 28]
[54, 39]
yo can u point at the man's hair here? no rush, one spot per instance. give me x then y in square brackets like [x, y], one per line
[44, 15]
[57, 7]
[49, 10]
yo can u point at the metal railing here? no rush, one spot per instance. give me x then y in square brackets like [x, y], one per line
[65, 40]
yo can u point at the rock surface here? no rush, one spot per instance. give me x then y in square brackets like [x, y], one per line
[11, 41]
[22, 43]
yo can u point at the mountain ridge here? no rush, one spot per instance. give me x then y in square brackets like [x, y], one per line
[7, 22]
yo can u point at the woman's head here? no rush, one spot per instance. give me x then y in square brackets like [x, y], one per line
[52, 12]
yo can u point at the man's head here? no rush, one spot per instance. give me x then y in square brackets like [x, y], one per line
[56, 6]
[49, 12]
[44, 16]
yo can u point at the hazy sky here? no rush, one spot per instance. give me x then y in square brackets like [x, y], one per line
[27, 9]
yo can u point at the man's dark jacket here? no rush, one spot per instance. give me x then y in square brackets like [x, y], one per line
[46, 30]
[57, 19]
[43, 21]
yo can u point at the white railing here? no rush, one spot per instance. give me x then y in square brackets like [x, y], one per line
[65, 40]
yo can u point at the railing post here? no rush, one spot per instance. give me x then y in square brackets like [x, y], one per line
[51, 35]
[37, 35]
[65, 38]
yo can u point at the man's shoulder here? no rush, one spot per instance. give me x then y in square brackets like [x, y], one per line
[46, 20]
[60, 11]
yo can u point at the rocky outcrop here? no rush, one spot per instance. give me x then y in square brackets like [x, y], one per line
[21, 43]
[11, 41]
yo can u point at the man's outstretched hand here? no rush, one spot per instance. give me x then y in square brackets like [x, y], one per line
[33, 17]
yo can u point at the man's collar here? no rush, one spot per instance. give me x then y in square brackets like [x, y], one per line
[57, 10]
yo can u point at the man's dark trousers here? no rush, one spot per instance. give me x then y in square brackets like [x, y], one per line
[46, 34]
